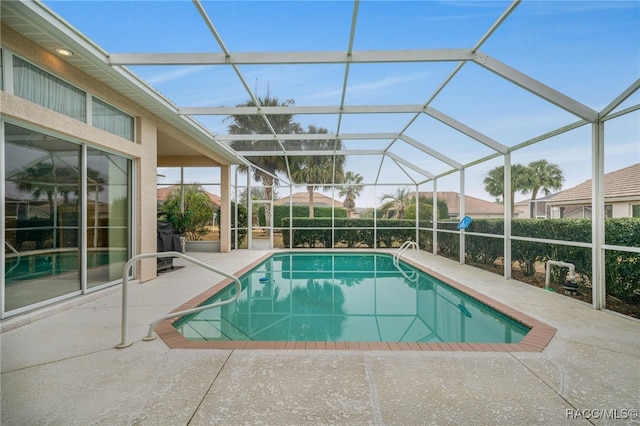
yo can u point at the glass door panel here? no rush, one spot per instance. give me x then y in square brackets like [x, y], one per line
[107, 197]
[42, 202]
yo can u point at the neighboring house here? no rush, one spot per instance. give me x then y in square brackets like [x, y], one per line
[621, 196]
[532, 209]
[164, 192]
[475, 208]
[302, 199]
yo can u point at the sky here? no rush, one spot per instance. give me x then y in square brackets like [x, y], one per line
[587, 50]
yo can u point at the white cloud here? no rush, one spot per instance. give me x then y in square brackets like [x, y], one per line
[172, 75]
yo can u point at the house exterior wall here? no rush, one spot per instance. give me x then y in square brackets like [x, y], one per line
[143, 152]
[622, 209]
[625, 208]
[583, 211]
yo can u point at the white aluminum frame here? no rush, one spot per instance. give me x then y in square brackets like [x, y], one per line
[113, 65]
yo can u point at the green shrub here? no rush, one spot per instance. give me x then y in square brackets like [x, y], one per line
[448, 243]
[198, 212]
[350, 232]
[426, 209]
[243, 221]
[622, 269]
[403, 230]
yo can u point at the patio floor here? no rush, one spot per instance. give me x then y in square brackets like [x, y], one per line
[60, 366]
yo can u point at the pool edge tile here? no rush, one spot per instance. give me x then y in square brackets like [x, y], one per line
[536, 340]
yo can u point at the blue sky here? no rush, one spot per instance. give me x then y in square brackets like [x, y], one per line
[588, 50]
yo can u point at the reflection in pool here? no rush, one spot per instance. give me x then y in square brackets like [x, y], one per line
[355, 297]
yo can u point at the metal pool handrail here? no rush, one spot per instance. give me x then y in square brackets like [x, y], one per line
[404, 248]
[396, 258]
[125, 289]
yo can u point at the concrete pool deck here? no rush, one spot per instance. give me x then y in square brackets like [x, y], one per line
[59, 366]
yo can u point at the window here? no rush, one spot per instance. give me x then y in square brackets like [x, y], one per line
[40, 87]
[608, 210]
[111, 119]
[635, 210]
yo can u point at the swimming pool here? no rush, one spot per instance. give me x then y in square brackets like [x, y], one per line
[355, 300]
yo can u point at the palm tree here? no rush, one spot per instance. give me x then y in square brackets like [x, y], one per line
[38, 179]
[51, 180]
[318, 171]
[397, 203]
[494, 183]
[544, 176]
[520, 181]
[536, 176]
[256, 124]
[351, 190]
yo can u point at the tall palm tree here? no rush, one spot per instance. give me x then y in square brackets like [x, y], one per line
[256, 124]
[544, 176]
[395, 204]
[318, 171]
[53, 180]
[351, 190]
[38, 179]
[520, 181]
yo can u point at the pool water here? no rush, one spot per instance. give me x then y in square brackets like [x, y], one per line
[350, 297]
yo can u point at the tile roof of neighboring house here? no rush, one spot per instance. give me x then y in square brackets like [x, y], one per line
[163, 192]
[621, 183]
[526, 201]
[472, 205]
[302, 198]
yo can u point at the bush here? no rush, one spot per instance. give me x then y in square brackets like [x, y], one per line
[198, 212]
[622, 269]
[448, 243]
[426, 209]
[485, 250]
[243, 221]
[350, 232]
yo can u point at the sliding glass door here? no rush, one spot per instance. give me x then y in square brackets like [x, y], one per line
[107, 216]
[44, 206]
[42, 217]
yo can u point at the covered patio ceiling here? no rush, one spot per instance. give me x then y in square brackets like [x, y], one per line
[449, 118]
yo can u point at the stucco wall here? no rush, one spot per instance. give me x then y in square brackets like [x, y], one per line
[142, 152]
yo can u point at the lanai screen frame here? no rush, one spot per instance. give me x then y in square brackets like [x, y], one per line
[585, 116]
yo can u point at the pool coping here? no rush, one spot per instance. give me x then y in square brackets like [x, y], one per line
[538, 337]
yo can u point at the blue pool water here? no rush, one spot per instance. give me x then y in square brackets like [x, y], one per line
[352, 297]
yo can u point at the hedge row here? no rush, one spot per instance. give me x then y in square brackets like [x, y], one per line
[622, 269]
[348, 232]
[243, 221]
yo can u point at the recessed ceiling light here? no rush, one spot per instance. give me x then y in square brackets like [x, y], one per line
[63, 51]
